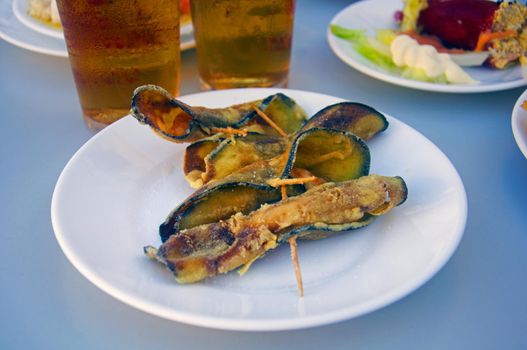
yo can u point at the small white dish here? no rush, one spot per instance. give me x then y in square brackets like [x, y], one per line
[116, 190]
[470, 59]
[20, 29]
[519, 123]
[20, 9]
[379, 14]
[19, 34]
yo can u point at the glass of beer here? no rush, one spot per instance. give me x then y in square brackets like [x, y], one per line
[243, 43]
[115, 46]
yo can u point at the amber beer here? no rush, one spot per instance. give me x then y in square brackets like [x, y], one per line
[116, 46]
[243, 43]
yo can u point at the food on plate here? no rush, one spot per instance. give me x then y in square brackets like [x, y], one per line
[241, 192]
[329, 154]
[406, 52]
[179, 122]
[448, 34]
[401, 55]
[357, 118]
[218, 151]
[215, 157]
[44, 10]
[235, 168]
[472, 25]
[266, 174]
[326, 154]
[208, 250]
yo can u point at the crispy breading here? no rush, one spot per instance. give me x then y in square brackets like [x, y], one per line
[522, 38]
[503, 51]
[509, 16]
[212, 249]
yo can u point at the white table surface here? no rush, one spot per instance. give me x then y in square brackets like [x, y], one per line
[477, 301]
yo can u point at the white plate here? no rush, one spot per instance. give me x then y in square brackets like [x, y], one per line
[116, 190]
[519, 123]
[20, 29]
[378, 14]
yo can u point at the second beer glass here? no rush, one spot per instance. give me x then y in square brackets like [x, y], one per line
[243, 43]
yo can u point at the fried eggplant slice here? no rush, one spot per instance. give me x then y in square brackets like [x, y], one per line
[178, 122]
[208, 250]
[241, 192]
[284, 112]
[194, 158]
[359, 119]
[208, 160]
[329, 154]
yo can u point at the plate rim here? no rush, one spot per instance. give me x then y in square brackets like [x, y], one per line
[519, 136]
[33, 48]
[333, 42]
[251, 324]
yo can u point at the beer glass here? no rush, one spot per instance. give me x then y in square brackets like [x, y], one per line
[243, 43]
[116, 46]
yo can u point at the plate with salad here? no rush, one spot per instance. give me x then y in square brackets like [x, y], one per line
[456, 46]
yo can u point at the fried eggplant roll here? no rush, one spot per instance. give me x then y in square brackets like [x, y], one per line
[208, 250]
[178, 122]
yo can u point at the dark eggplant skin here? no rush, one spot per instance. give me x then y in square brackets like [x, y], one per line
[179, 122]
[254, 194]
[356, 118]
[322, 230]
[195, 153]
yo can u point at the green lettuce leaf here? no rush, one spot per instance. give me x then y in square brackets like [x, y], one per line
[377, 51]
[371, 49]
[349, 34]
